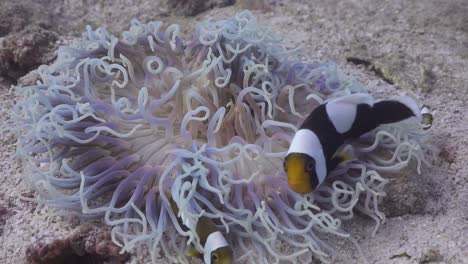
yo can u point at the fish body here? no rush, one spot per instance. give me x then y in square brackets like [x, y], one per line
[216, 250]
[313, 150]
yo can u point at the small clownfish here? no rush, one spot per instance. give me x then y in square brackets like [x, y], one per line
[216, 250]
[313, 150]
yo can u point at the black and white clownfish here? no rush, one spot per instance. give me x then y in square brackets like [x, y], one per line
[216, 249]
[313, 150]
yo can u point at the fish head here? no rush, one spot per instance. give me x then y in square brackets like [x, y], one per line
[301, 172]
[222, 255]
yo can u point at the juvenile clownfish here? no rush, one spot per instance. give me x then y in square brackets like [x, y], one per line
[313, 150]
[216, 250]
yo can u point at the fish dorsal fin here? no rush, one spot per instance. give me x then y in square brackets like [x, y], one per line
[357, 98]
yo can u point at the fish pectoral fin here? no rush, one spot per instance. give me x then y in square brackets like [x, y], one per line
[339, 158]
[193, 252]
[342, 156]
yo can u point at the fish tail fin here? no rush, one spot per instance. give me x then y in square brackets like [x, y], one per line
[427, 117]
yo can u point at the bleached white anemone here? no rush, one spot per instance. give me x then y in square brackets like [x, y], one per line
[115, 123]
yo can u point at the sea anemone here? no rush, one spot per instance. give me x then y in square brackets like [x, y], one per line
[114, 125]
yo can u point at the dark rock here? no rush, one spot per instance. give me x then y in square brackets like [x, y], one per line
[448, 153]
[195, 7]
[13, 18]
[428, 79]
[86, 245]
[24, 51]
[403, 255]
[430, 256]
[3, 217]
[263, 5]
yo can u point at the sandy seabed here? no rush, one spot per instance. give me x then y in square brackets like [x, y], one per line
[417, 46]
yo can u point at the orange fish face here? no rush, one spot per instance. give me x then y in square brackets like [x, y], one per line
[300, 169]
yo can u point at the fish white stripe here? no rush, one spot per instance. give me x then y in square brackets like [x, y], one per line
[425, 110]
[305, 141]
[188, 222]
[214, 241]
[342, 115]
[342, 111]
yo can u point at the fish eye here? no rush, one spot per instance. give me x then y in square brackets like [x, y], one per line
[310, 166]
[214, 257]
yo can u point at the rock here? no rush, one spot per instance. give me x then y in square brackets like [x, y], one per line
[29, 79]
[86, 245]
[263, 5]
[195, 7]
[24, 51]
[3, 216]
[13, 18]
[430, 256]
[428, 79]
